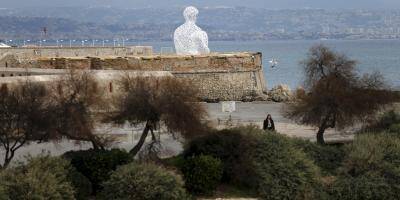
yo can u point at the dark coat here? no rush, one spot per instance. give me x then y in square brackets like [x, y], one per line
[265, 125]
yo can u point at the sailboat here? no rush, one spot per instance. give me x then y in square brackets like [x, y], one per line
[273, 62]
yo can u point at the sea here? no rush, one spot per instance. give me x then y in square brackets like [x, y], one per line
[371, 55]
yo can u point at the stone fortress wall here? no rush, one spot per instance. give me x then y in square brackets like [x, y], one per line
[219, 76]
[48, 51]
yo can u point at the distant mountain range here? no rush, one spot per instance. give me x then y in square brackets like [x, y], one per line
[222, 23]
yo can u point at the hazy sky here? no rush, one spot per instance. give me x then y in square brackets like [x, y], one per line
[272, 4]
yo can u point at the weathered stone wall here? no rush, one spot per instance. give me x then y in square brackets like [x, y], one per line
[219, 76]
[214, 62]
[223, 86]
[25, 54]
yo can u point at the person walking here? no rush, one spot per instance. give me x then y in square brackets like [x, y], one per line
[269, 123]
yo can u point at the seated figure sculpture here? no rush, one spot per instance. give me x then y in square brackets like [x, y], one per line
[190, 39]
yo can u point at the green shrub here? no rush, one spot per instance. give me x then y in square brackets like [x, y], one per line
[97, 165]
[44, 177]
[81, 184]
[328, 157]
[365, 187]
[174, 162]
[372, 167]
[395, 128]
[227, 145]
[389, 118]
[269, 163]
[202, 174]
[388, 121]
[281, 171]
[143, 182]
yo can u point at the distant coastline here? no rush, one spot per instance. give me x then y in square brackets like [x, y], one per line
[221, 23]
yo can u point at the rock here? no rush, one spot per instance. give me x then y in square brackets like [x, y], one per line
[300, 91]
[262, 97]
[247, 98]
[280, 93]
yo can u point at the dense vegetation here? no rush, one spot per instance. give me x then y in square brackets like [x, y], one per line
[370, 169]
[43, 177]
[264, 164]
[268, 163]
[278, 167]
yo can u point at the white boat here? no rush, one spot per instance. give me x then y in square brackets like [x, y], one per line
[2, 45]
[273, 63]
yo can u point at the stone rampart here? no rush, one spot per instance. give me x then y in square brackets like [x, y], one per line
[27, 53]
[219, 76]
[226, 86]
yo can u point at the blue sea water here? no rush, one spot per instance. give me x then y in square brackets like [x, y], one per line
[371, 56]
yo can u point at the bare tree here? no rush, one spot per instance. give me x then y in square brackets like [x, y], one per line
[335, 96]
[151, 101]
[75, 98]
[23, 116]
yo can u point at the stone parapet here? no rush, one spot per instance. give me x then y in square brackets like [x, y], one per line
[219, 76]
[35, 52]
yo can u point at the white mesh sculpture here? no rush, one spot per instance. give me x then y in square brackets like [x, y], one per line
[190, 39]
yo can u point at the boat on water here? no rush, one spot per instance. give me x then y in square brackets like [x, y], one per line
[273, 62]
[2, 45]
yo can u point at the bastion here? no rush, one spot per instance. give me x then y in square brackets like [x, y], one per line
[219, 76]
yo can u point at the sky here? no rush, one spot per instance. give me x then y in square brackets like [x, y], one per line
[271, 4]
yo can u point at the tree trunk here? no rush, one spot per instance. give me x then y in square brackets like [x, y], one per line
[142, 139]
[94, 144]
[320, 135]
[5, 164]
[7, 159]
[97, 144]
[328, 122]
[153, 136]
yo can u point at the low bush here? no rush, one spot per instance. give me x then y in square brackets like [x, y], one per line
[97, 165]
[389, 118]
[227, 145]
[143, 182]
[81, 184]
[395, 128]
[328, 157]
[365, 187]
[388, 121]
[202, 174]
[43, 177]
[371, 170]
[268, 163]
[281, 171]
